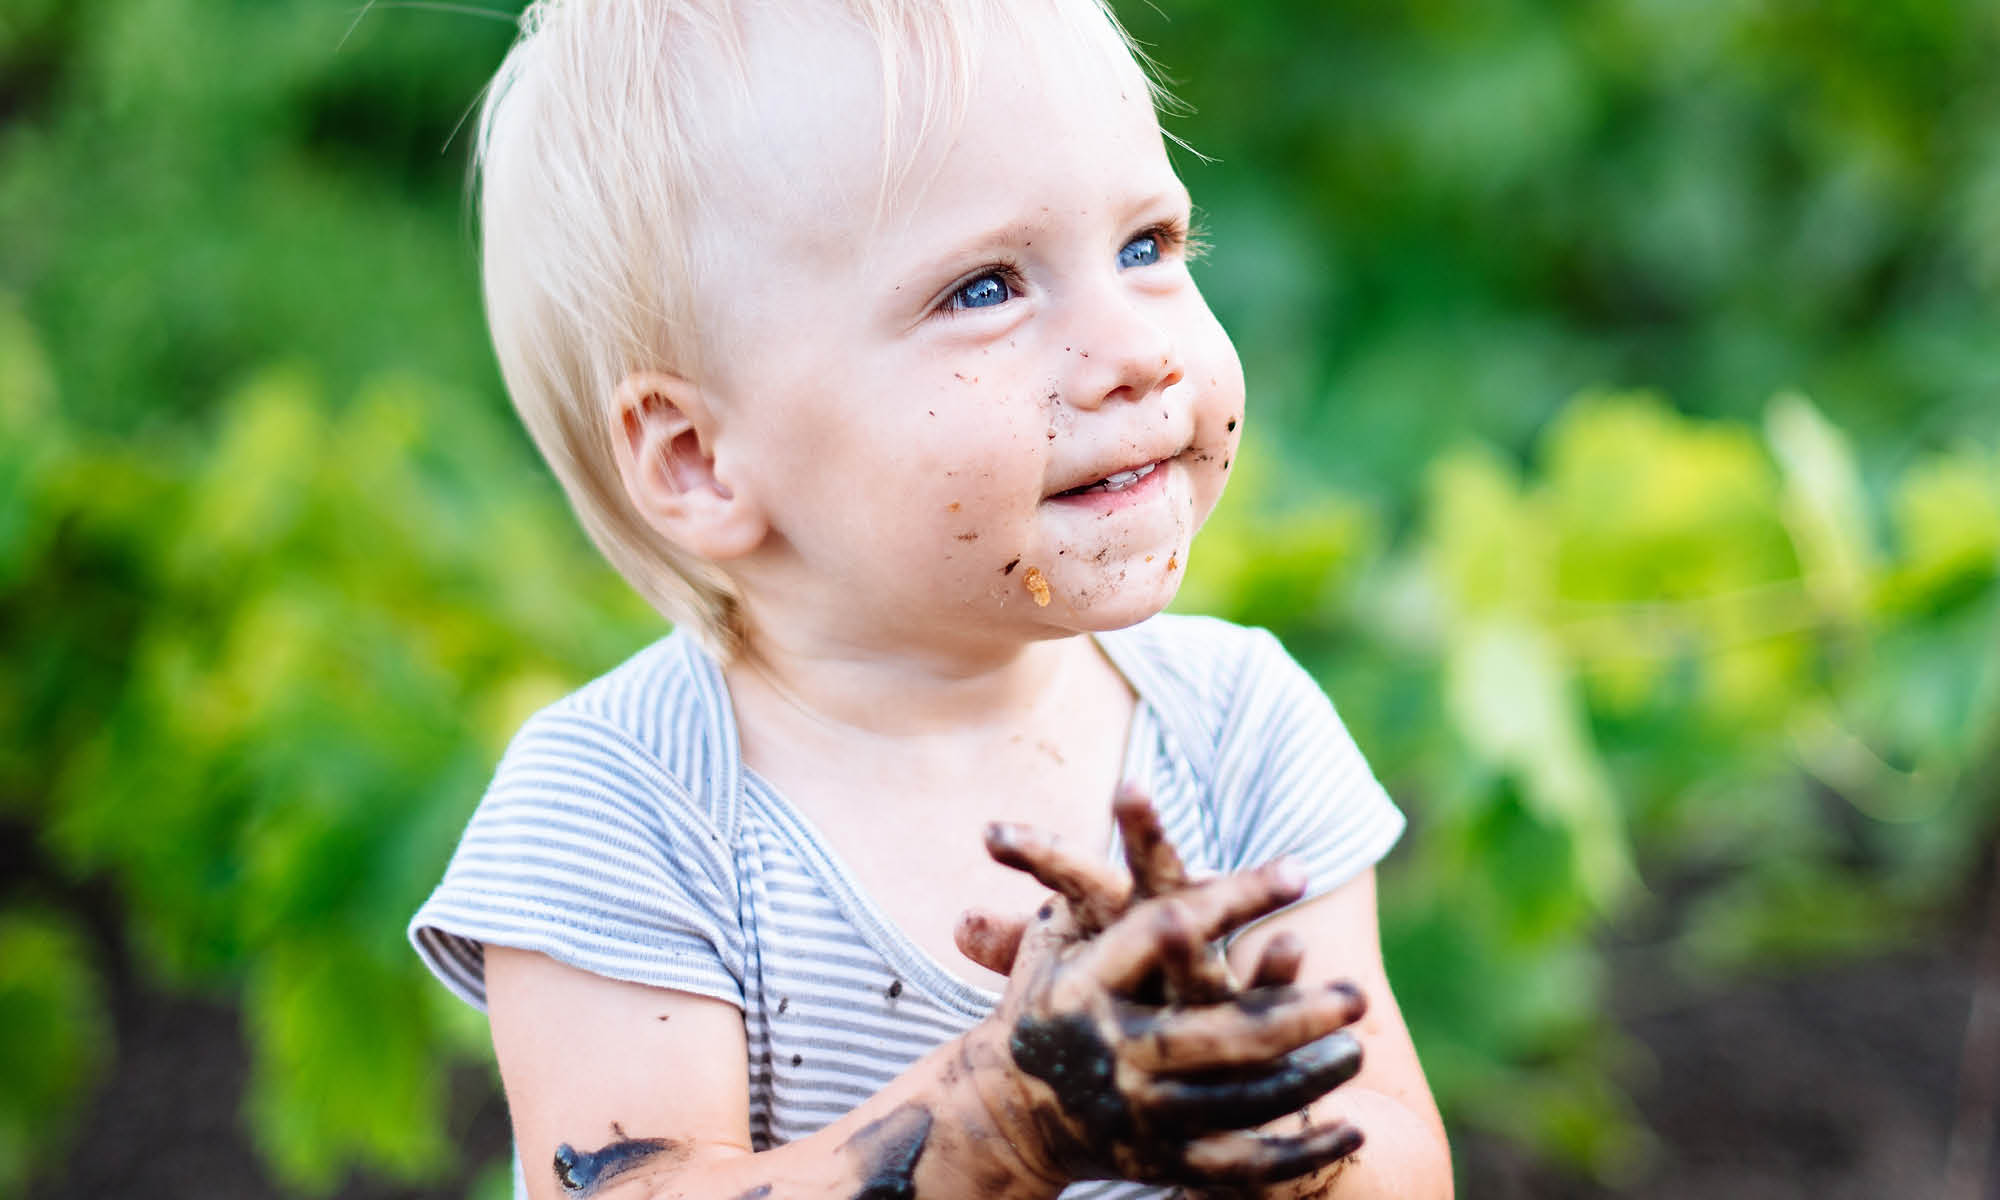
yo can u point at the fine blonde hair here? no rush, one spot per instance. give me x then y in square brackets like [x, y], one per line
[595, 139]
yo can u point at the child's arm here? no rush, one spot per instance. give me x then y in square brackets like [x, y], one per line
[621, 1090]
[1407, 1153]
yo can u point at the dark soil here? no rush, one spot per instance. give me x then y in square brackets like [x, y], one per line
[168, 1123]
[1836, 1083]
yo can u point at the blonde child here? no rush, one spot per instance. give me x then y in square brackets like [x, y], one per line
[861, 335]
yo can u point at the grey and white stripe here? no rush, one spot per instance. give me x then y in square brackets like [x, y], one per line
[623, 835]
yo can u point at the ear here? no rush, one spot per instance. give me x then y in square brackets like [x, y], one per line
[663, 433]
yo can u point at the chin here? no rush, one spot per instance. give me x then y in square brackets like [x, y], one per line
[1116, 605]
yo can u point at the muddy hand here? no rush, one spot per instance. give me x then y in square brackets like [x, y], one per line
[1104, 1086]
[1096, 895]
[1157, 870]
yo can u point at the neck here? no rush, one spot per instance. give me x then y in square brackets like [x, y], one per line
[846, 687]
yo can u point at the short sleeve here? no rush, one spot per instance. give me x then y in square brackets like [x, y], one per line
[585, 849]
[1289, 778]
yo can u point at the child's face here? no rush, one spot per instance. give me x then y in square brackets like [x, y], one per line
[921, 404]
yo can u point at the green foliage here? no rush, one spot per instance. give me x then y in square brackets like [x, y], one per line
[278, 575]
[1666, 648]
[307, 638]
[55, 1039]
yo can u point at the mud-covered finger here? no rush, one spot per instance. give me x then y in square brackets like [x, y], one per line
[1252, 1029]
[1203, 979]
[1229, 902]
[991, 939]
[1141, 942]
[1249, 1160]
[1155, 865]
[1096, 893]
[1206, 1105]
[1279, 961]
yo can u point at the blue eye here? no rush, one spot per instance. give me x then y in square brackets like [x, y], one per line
[984, 292]
[1141, 251]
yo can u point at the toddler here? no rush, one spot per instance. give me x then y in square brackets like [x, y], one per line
[861, 335]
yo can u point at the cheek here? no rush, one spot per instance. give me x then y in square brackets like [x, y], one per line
[1218, 429]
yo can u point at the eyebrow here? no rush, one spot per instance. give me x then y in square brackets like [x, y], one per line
[1018, 232]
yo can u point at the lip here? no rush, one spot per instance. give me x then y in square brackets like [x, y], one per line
[1137, 492]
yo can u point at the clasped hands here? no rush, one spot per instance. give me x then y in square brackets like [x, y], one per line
[1129, 1050]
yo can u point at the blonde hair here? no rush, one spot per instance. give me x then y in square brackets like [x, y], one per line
[595, 138]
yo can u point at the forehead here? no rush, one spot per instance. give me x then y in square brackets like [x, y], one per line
[817, 146]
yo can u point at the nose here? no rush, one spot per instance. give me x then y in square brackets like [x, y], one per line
[1123, 351]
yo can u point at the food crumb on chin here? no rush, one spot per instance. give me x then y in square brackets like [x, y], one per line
[1037, 585]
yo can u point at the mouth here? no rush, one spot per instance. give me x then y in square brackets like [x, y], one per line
[1117, 481]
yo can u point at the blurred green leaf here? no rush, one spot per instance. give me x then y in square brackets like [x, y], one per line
[54, 1039]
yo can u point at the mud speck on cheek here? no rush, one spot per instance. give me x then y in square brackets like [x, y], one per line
[952, 507]
[1173, 562]
[1037, 585]
[889, 1150]
[1232, 424]
[1009, 568]
[969, 536]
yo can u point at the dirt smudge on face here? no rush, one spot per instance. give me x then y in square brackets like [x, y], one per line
[1037, 585]
[968, 536]
[1009, 568]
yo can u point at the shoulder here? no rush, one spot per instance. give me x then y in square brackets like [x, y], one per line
[600, 842]
[638, 699]
[1197, 662]
[656, 724]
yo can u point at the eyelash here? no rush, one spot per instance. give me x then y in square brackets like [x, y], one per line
[1170, 236]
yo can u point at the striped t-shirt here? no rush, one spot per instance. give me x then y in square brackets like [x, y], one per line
[623, 835]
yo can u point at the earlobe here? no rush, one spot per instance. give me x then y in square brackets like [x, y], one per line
[664, 435]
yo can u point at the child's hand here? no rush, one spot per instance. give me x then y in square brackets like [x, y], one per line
[1097, 896]
[1099, 1080]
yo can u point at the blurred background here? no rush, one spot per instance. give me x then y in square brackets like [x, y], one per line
[1624, 457]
